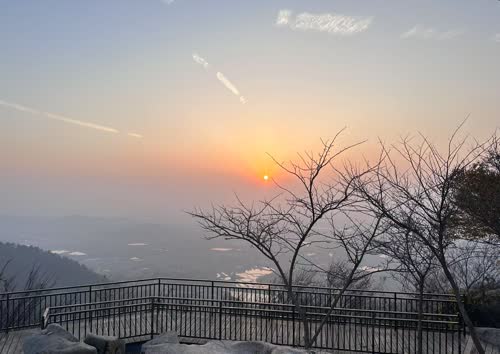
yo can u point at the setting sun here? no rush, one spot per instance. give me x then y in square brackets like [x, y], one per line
[266, 177]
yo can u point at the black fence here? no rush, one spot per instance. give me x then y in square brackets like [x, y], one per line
[366, 321]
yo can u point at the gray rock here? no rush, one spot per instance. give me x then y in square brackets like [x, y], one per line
[55, 340]
[105, 344]
[218, 347]
[157, 342]
[56, 330]
[260, 347]
[489, 335]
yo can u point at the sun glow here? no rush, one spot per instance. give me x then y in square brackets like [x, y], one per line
[266, 177]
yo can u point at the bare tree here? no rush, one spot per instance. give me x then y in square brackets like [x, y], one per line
[356, 241]
[415, 195]
[474, 264]
[281, 227]
[411, 263]
[6, 281]
[19, 312]
[338, 274]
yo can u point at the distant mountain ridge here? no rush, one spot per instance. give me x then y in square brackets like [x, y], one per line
[58, 270]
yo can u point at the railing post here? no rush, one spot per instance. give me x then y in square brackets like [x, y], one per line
[8, 314]
[220, 320]
[45, 317]
[293, 326]
[90, 308]
[152, 316]
[159, 287]
[373, 332]
[458, 332]
[42, 322]
[460, 315]
[90, 318]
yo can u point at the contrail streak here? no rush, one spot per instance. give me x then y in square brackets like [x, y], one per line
[221, 77]
[229, 85]
[425, 32]
[58, 117]
[135, 135]
[200, 61]
[80, 123]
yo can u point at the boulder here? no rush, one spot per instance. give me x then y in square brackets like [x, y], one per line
[157, 342]
[105, 344]
[55, 340]
[216, 347]
[259, 347]
[489, 335]
[57, 330]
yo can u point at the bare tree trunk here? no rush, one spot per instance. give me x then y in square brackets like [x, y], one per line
[334, 304]
[420, 316]
[303, 317]
[461, 307]
[307, 333]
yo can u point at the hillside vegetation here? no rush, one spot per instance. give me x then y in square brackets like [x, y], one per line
[20, 264]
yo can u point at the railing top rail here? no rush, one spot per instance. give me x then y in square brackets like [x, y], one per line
[41, 294]
[305, 287]
[84, 287]
[47, 314]
[207, 282]
[262, 304]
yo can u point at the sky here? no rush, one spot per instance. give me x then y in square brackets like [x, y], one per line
[147, 108]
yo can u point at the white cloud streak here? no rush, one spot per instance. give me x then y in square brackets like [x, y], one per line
[79, 122]
[331, 23]
[60, 118]
[425, 32]
[284, 17]
[135, 135]
[200, 61]
[221, 77]
[229, 85]
[496, 38]
[168, 2]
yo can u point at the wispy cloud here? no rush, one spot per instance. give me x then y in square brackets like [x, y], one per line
[496, 38]
[135, 135]
[426, 32]
[200, 61]
[221, 77]
[229, 85]
[60, 118]
[284, 18]
[79, 122]
[168, 2]
[328, 22]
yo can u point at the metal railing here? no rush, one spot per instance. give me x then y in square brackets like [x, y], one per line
[358, 310]
[359, 330]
